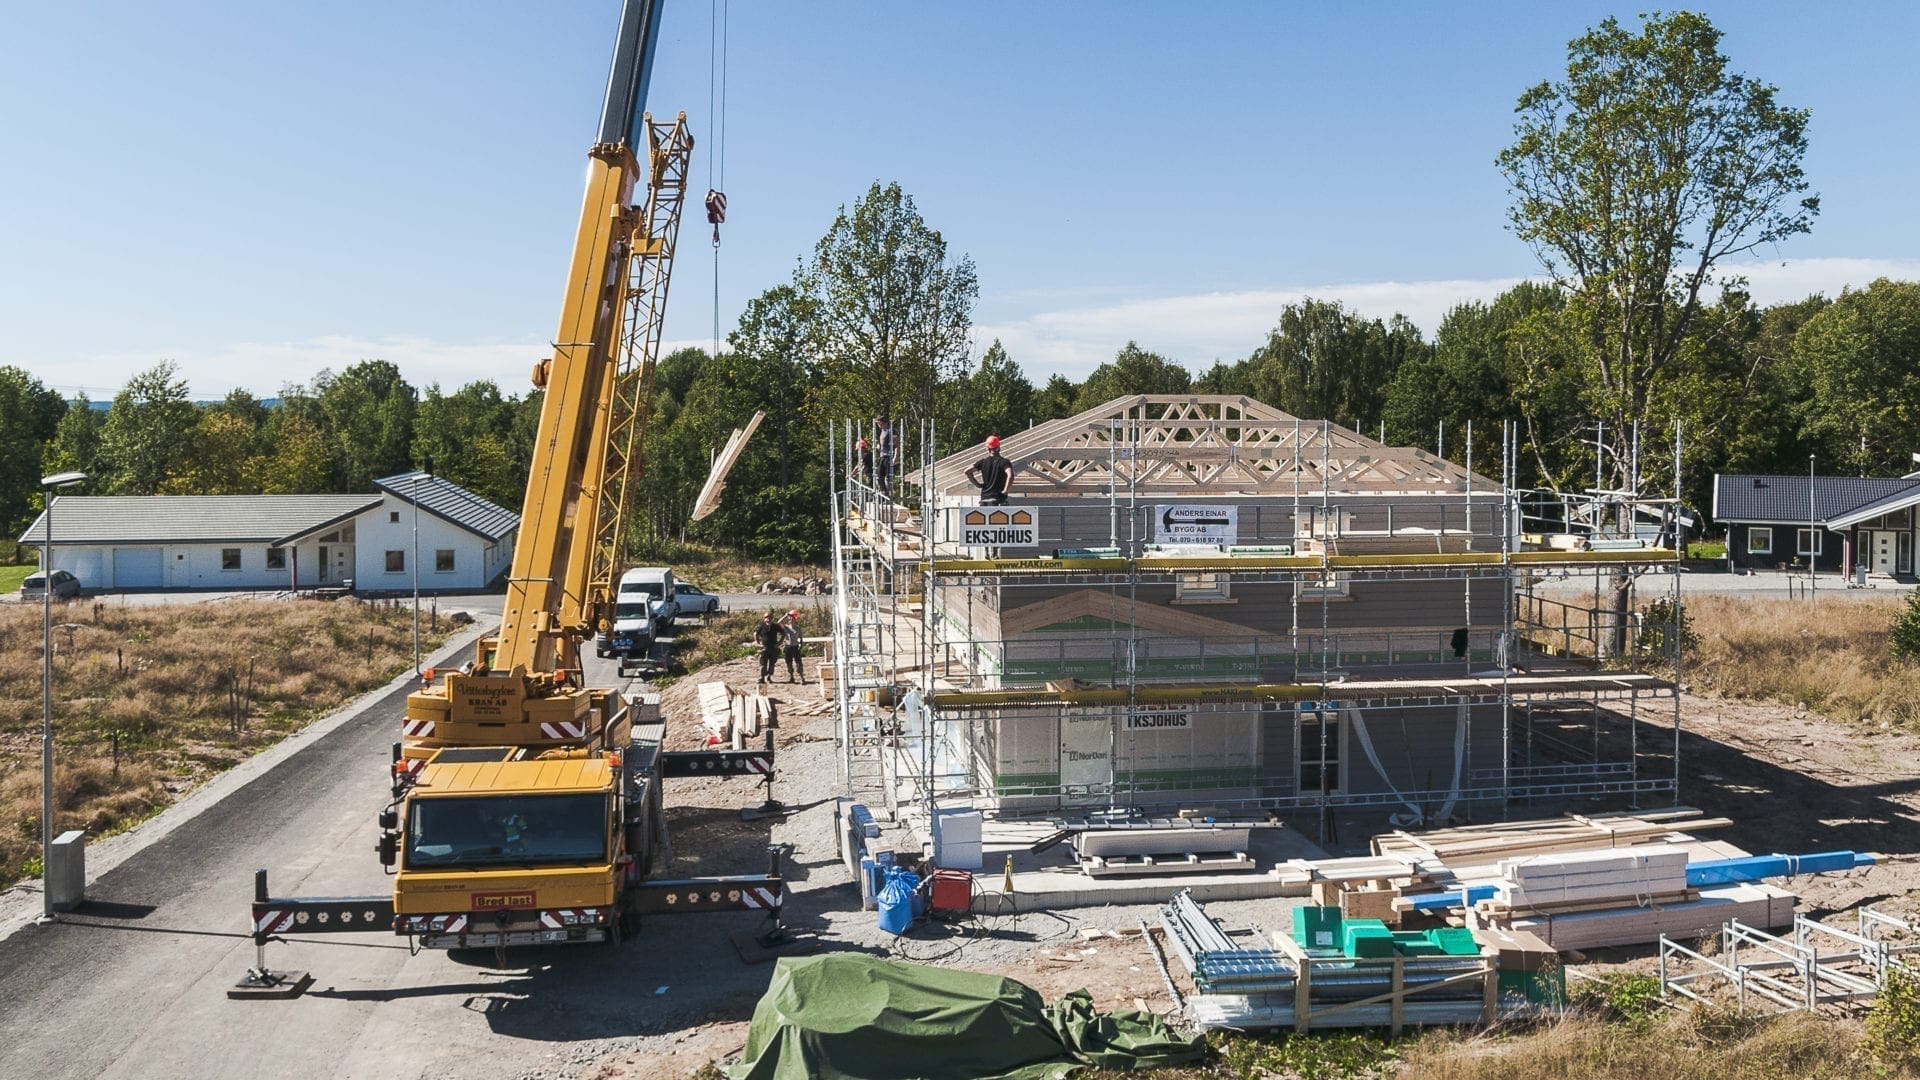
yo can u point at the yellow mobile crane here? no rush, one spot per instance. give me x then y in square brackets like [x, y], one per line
[526, 804]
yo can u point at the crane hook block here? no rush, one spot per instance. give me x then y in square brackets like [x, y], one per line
[716, 212]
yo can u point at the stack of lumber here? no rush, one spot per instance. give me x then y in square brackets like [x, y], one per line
[1363, 887]
[1760, 905]
[1617, 877]
[1481, 845]
[731, 717]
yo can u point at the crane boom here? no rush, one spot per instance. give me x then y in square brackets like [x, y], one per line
[549, 608]
[586, 453]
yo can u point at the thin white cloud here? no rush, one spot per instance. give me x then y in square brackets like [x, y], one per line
[1200, 328]
[1194, 329]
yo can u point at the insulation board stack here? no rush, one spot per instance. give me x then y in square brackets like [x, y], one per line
[956, 839]
[1633, 876]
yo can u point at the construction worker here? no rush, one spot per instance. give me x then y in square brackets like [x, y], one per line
[790, 646]
[883, 452]
[992, 474]
[767, 636]
[866, 462]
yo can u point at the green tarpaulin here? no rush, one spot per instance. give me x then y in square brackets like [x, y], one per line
[855, 1016]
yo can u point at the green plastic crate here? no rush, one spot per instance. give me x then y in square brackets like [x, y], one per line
[1317, 927]
[1548, 987]
[1366, 938]
[1454, 941]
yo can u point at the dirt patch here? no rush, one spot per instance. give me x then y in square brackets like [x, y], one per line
[1793, 781]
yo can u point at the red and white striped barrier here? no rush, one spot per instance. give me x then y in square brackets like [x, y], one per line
[416, 729]
[564, 729]
[561, 918]
[273, 922]
[434, 924]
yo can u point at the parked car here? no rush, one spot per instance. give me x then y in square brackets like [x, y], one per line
[643, 610]
[693, 601]
[65, 586]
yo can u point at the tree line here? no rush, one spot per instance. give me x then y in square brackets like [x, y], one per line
[337, 433]
[1635, 178]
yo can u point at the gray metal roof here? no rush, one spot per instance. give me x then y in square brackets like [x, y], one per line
[1744, 497]
[153, 519]
[446, 499]
[1899, 500]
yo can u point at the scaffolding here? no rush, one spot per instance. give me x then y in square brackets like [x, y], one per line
[1352, 625]
[1818, 967]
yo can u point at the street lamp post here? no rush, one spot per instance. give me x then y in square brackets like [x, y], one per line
[427, 471]
[1813, 536]
[48, 485]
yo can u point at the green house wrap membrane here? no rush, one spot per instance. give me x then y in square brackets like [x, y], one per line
[849, 1015]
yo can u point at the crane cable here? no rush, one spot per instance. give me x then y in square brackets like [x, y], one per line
[717, 11]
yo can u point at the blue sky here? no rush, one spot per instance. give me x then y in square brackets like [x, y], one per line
[262, 190]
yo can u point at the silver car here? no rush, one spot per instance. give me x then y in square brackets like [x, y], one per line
[65, 586]
[694, 601]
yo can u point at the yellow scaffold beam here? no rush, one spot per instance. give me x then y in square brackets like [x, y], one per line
[1310, 563]
[1204, 693]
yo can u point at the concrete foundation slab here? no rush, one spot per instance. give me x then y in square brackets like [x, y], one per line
[1052, 879]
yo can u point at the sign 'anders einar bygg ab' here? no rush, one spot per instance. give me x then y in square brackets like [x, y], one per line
[1196, 524]
[996, 526]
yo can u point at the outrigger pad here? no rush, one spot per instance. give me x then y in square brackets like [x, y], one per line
[755, 947]
[271, 986]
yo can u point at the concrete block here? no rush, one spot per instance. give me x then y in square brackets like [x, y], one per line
[957, 827]
[66, 875]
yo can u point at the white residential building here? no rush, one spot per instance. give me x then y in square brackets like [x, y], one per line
[464, 541]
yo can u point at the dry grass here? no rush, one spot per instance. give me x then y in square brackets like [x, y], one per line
[718, 570]
[149, 701]
[1830, 656]
[729, 636]
[1692, 1044]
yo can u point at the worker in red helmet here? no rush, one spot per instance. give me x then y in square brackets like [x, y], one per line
[790, 645]
[992, 474]
[865, 453]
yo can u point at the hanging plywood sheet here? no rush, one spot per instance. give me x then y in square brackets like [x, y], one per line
[709, 499]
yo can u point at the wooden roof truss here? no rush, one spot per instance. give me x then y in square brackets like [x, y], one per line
[1184, 445]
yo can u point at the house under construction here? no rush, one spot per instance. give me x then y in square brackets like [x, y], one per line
[1200, 600]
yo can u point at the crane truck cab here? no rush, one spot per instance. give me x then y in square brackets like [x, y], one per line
[499, 847]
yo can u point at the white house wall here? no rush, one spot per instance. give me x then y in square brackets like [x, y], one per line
[376, 533]
[198, 566]
[182, 566]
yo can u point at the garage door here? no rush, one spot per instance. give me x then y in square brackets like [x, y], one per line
[136, 568]
[87, 564]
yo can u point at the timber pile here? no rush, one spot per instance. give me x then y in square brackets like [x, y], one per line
[1759, 904]
[731, 717]
[1609, 878]
[1480, 845]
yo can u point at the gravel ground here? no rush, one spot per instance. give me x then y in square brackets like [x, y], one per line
[708, 1021]
[1791, 781]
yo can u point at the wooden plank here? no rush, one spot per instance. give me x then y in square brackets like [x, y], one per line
[716, 483]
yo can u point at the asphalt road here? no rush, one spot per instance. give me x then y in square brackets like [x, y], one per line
[134, 984]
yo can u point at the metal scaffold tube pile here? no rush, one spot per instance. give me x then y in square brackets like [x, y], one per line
[1242, 987]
